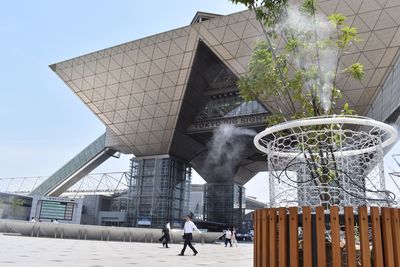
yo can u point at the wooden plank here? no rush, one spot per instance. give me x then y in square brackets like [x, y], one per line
[350, 240]
[364, 238]
[387, 238]
[263, 237]
[376, 237]
[394, 215]
[266, 237]
[307, 237]
[397, 211]
[321, 247]
[272, 238]
[294, 236]
[259, 240]
[335, 234]
[282, 245]
[259, 233]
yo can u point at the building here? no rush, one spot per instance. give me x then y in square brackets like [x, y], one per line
[15, 207]
[49, 208]
[101, 210]
[40, 208]
[198, 204]
[162, 97]
[159, 191]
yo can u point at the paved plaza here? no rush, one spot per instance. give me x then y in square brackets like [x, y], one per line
[32, 251]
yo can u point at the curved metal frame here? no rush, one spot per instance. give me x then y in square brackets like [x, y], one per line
[350, 120]
[289, 151]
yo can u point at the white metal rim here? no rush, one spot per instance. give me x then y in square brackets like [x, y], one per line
[355, 120]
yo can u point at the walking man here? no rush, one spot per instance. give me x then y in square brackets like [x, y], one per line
[228, 236]
[165, 237]
[188, 235]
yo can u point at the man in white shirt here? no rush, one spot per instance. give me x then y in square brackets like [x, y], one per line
[188, 235]
[228, 236]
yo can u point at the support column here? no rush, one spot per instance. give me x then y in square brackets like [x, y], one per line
[159, 191]
[225, 203]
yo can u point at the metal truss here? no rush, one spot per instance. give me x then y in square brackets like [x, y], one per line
[396, 175]
[94, 183]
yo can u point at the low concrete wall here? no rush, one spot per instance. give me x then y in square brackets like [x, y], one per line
[93, 232]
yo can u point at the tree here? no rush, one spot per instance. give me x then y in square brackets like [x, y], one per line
[295, 71]
[299, 76]
[16, 206]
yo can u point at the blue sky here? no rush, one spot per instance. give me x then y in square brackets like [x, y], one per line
[43, 124]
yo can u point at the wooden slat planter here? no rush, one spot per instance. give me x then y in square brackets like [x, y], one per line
[350, 238]
[364, 240]
[335, 236]
[296, 237]
[321, 247]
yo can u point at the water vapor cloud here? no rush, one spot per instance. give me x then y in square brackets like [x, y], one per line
[316, 51]
[225, 150]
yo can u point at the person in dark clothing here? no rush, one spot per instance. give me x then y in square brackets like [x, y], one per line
[165, 236]
[188, 235]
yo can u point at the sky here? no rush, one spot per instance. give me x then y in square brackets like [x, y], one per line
[43, 124]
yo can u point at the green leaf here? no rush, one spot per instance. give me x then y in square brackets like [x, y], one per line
[292, 44]
[308, 7]
[356, 70]
[347, 110]
[336, 19]
[332, 174]
[348, 35]
[247, 3]
[272, 75]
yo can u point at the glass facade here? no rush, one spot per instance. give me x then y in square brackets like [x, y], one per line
[159, 192]
[225, 203]
[386, 106]
[15, 207]
[229, 105]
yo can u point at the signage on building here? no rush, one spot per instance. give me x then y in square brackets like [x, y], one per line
[249, 120]
[59, 210]
[177, 224]
[144, 221]
[63, 199]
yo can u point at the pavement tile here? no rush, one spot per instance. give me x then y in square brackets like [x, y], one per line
[33, 251]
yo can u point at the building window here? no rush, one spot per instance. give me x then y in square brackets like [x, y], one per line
[229, 105]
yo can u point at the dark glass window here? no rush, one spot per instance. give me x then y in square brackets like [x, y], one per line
[224, 203]
[229, 105]
[160, 191]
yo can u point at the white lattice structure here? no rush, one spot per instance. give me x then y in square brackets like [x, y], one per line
[331, 160]
[93, 183]
[395, 175]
